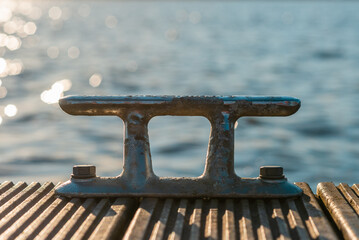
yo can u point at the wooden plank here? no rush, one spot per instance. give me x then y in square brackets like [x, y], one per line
[317, 224]
[29, 217]
[118, 215]
[195, 220]
[139, 223]
[59, 220]
[20, 197]
[76, 219]
[5, 186]
[355, 188]
[245, 222]
[158, 231]
[43, 219]
[6, 196]
[342, 213]
[34, 212]
[211, 227]
[90, 223]
[295, 222]
[19, 208]
[228, 221]
[278, 217]
[350, 196]
[264, 230]
[176, 233]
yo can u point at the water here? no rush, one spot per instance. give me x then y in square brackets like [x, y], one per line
[308, 50]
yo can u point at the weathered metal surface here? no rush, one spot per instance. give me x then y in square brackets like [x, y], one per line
[35, 212]
[218, 179]
[342, 203]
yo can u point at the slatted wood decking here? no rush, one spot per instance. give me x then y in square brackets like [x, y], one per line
[34, 212]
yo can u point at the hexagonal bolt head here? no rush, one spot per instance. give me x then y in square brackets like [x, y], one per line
[84, 171]
[271, 172]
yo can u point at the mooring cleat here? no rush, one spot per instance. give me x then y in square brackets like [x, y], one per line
[218, 179]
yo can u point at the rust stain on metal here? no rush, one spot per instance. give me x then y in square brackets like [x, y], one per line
[35, 212]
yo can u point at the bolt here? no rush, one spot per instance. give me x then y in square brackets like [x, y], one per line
[271, 172]
[84, 171]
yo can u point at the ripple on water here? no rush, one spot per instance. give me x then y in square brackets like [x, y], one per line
[328, 54]
[317, 128]
[41, 160]
[178, 147]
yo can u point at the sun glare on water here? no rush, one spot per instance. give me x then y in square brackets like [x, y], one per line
[56, 91]
[17, 22]
[10, 110]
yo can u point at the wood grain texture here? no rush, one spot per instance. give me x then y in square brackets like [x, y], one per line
[34, 212]
[340, 210]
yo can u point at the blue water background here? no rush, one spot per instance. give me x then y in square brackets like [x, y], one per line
[308, 50]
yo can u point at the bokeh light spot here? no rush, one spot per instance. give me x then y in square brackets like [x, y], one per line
[53, 52]
[56, 92]
[55, 13]
[73, 52]
[30, 28]
[3, 40]
[5, 14]
[15, 67]
[10, 110]
[3, 92]
[50, 96]
[95, 80]
[13, 43]
[10, 27]
[111, 21]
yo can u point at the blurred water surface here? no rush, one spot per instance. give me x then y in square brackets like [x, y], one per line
[308, 50]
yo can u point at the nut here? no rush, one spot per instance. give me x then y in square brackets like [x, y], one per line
[84, 171]
[271, 172]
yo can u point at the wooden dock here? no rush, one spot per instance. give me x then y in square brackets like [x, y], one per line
[33, 211]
